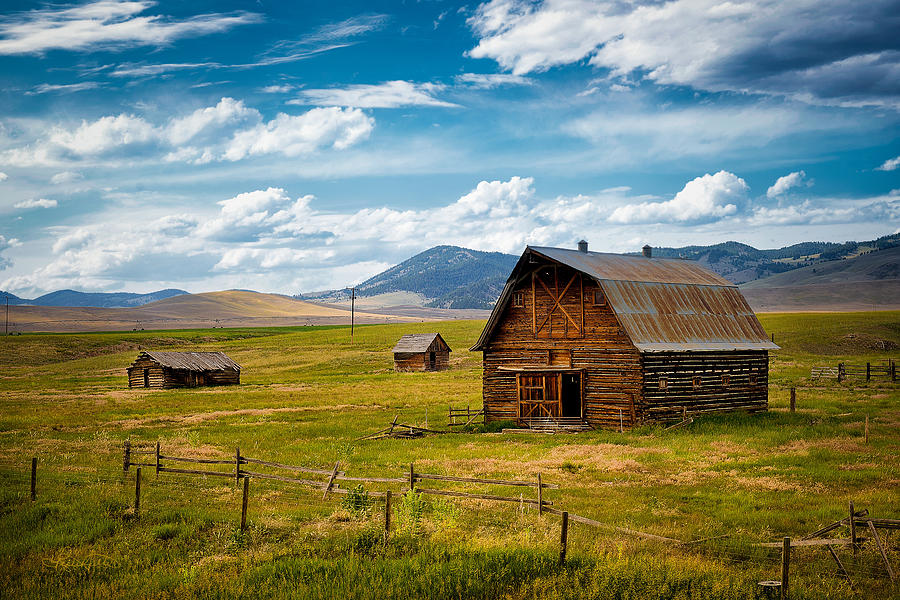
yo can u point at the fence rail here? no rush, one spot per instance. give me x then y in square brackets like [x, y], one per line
[868, 371]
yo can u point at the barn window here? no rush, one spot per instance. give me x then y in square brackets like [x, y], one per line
[663, 383]
[697, 383]
[599, 298]
[518, 299]
[725, 380]
[532, 388]
[753, 380]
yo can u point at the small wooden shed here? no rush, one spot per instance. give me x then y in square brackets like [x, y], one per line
[421, 352]
[183, 369]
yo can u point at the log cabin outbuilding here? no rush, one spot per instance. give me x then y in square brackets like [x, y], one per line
[599, 339]
[183, 369]
[421, 352]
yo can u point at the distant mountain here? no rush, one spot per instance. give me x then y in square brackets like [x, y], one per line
[13, 299]
[741, 263]
[71, 298]
[865, 282]
[446, 276]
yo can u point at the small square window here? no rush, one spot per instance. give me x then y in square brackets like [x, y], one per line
[754, 380]
[663, 383]
[697, 383]
[518, 299]
[599, 298]
[726, 379]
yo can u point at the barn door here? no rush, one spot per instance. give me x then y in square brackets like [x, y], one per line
[146, 377]
[539, 395]
[432, 360]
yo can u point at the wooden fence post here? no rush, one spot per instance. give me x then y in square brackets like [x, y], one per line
[34, 479]
[244, 503]
[387, 514]
[793, 400]
[852, 528]
[126, 461]
[841, 373]
[884, 557]
[621, 424]
[237, 465]
[137, 493]
[785, 567]
[564, 537]
[868, 371]
[412, 477]
[157, 459]
[540, 495]
[773, 337]
[893, 370]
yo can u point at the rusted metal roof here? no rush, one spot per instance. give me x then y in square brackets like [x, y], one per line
[194, 361]
[663, 304]
[418, 342]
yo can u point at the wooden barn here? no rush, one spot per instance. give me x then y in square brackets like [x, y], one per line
[183, 369]
[421, 352]
[588, 338]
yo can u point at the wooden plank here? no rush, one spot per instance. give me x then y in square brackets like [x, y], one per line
[266, 463]
[193, 472]
[330, 480]
[480, 496]
[833, 526]
[593, 523]
[205, 461]
[372, 479]
[840, 565]
[884, 557]
[823, 542]
[486, 481]
[315, 484]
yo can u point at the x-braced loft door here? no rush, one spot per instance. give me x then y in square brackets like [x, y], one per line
[547, 300]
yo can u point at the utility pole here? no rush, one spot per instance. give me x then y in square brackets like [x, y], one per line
[7, 314]
[352, 311]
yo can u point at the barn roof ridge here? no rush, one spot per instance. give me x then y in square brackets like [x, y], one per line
[663, 305]
[193, 361]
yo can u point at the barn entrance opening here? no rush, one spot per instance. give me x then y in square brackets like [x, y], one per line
[146, 377]
[432, 360]
[570, 392]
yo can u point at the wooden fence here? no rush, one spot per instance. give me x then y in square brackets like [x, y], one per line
[462, 417]
[868, 371]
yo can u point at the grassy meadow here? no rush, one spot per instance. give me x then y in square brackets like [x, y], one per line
[724, 483]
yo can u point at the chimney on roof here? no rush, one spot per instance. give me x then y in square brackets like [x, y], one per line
[582, 246]
[647, 251]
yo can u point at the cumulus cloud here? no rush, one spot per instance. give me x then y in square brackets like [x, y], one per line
[107, 25]
[229, 130]
[832, 53]
[788, 182]
[66, 177]
[889, 165]
[704, 198]
[5, 244]
[3, 176]
[36, 203]
[390, 94]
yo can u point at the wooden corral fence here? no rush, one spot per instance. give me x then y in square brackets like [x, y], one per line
[868, 371]
[462, 417]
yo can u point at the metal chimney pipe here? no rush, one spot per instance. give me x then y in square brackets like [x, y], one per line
[648, 251]
[582, 246]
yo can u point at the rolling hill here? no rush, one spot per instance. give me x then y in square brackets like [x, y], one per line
[100, 299]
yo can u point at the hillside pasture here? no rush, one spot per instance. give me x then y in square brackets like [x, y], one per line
[307, 394]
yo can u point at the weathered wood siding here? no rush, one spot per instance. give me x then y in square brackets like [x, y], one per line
[576, 334]
[156, 377]
[419, 361]
[713, 394]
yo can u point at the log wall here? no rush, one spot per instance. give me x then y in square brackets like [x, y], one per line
[713, 394]
[163, 377]
[418, 361]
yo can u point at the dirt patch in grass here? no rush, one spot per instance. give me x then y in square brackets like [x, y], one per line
[223, 414]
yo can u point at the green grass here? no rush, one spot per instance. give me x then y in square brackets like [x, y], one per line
[308, 393]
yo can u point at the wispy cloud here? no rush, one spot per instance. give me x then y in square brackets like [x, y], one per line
[390, 94]
[107, 25]
[890, 165]
[36, 203]
[68, 88]
[492, 80]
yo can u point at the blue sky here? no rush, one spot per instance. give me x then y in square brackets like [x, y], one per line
[297, 146]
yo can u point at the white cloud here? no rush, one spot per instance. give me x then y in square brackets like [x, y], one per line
[302, 134]
[66, 177]
[492, 80]
[108, 25]
[789, 181]
[46, 88]
[890, 165]
[229, 130]
[886, 208]
[3, 176]
[390, 94]
[830, 53]
[704, 198]
[278, 89]
[36, 203]
[6, 244]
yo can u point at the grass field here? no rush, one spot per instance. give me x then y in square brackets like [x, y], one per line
[308, 393]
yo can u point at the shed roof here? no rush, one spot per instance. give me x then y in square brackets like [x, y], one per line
[194, 361]
[663, 304]
[417, 342]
